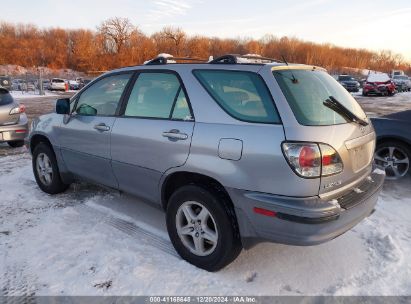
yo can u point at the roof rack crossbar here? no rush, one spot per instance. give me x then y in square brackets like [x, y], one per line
[229, 58]
[233, 59]
[165, 60]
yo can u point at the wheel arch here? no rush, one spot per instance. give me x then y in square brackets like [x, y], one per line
[395, 138]
[37, 139]
[178, 179]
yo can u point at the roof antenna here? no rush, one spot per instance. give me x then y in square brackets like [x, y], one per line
[294, 80]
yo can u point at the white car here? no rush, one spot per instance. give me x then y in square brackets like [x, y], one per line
[57, 84]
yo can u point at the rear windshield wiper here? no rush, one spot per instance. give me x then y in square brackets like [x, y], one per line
[338, 107]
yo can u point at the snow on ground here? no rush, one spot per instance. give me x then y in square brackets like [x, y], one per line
[32, 94]
[379, 105]
[90, 241]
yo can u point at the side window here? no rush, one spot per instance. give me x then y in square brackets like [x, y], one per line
[243, 95]
[157, 95]
[103, 96]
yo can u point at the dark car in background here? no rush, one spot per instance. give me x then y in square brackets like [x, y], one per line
[393, 151]
[5, 82]
[349, 83]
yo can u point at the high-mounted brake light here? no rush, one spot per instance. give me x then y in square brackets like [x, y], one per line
[18, 110]
[312, 160]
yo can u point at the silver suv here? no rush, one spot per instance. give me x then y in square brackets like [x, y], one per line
[237, 150]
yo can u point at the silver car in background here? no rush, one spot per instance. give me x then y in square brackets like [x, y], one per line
[237, 150]
[57, 84]
[13, 120]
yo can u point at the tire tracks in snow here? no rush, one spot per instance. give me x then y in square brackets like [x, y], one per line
[16, 281]
[131, 229]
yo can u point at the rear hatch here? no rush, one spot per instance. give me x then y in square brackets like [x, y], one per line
[305, 90]
[6, 105]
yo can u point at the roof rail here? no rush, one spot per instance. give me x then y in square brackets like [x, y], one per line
[236, 58]
[164, 59]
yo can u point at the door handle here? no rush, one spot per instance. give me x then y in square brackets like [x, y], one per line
[175, 134]
[102, 127]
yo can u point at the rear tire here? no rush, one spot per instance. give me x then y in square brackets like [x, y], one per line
[196, 200]
[46, 171]
[16, 144]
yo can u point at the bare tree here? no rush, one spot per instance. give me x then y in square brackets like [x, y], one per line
[176, 35]
[117, 31]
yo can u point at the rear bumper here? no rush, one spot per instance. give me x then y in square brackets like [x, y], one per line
[303, 221]
[15, 132]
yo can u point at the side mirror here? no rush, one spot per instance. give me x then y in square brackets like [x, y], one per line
[63, 106]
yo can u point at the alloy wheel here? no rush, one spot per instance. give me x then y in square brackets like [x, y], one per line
[44, 169]
[393, 160]
[196, 228]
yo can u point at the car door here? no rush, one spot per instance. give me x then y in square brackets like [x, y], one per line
[85, 135]
[153, 134]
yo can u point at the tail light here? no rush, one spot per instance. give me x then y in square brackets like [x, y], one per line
[312, 160]
[18, 110]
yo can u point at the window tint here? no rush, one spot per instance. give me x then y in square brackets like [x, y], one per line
[306, 96]
[242, 94]
[103, 96]
[154, 95]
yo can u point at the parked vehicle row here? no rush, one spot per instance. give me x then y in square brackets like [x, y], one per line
[376, 84]
[54, 84]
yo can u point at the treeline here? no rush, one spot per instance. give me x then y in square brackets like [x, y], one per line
[117, 42]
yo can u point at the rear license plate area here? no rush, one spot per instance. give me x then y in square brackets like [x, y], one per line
[360, 157]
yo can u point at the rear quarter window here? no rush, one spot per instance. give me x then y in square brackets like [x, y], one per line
[243, 95]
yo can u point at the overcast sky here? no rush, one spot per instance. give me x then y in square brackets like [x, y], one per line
[376, 25]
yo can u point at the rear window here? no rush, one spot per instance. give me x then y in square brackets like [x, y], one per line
[57, 80]
[243, 95]
[306, 90]
[5, 98]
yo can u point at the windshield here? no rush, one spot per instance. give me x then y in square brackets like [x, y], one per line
[306, 96]
[345, 78]
[5, 98]
[401, 77]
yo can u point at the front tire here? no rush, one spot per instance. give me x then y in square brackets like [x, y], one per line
[202, 227]
[16, 144]
[46, 170]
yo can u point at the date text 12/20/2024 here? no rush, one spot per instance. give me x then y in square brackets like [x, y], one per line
[216, 299]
